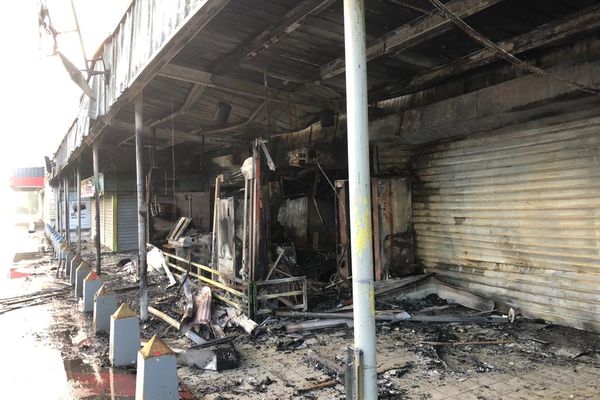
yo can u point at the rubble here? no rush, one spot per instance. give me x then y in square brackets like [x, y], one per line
[421, 338]
[214, 360]
[156, 260]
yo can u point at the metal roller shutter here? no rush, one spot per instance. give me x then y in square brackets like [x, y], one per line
[516, 216]
[106, 221]
[127, 223]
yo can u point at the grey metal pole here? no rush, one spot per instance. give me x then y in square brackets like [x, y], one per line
[67, 214]
[360, 192]
[95, 161]
[139, 167]
[57, 206]
[78, 185]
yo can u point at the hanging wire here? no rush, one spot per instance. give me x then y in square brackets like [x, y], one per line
[482, 40]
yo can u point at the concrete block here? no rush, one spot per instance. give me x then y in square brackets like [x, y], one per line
[124, 341]
[105, 304]
[80, 273]
[69, 256]
[61, 254]
[156, 377]
[75, 262]
[91, 284]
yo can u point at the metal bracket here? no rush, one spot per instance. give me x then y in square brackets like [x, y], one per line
[354, 374]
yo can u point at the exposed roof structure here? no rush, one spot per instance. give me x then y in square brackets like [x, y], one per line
[189, 56]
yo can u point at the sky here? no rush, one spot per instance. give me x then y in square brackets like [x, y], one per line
[38, 100]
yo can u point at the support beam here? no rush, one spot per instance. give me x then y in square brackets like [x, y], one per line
[96, 163]
[414, 6]
[66, 209]
[411, 34]
[141, 206]
[517, 101]
[195, 93]
[78, 189]
[59, 207]
[359, 182]
[291, 21]
[56, 192]
[236, 86]
[579, 23]
[167, 134]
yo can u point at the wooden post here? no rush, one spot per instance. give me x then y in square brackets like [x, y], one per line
[142, 210]
[97, 202]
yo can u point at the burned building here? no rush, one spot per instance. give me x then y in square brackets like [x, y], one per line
[222, 130]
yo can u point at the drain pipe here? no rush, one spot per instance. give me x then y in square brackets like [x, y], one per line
[360, 195]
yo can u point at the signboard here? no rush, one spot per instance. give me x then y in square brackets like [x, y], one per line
[88, 187]
[85, 213]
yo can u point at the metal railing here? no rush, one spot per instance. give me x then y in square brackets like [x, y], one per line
[254, 297]
[235, 296]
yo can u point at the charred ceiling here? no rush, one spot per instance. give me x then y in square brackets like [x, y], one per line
[277, 66]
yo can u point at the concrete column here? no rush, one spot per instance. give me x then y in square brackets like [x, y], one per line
[91, 284]
[156, 372]
[142, 211]
[57, 208]
[67, 211]
[105, 304]
[80, 273]
[97, 203]
[78, 189]
[359, 184]
[124, 341]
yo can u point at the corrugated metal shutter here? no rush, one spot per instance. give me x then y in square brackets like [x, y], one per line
[127, 223]
[391, 158]
[107, 222]
[516, 216]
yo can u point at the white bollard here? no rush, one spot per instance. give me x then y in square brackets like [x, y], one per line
[124, 341]
[75, 262]
[156, 372]
[69, 256]
[80, 273]
[105, 304]
[91, 284]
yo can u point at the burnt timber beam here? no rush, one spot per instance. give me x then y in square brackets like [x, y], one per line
[581, 22]
[291, 21]
[235, 86]
[411, 34]
[167, 134]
